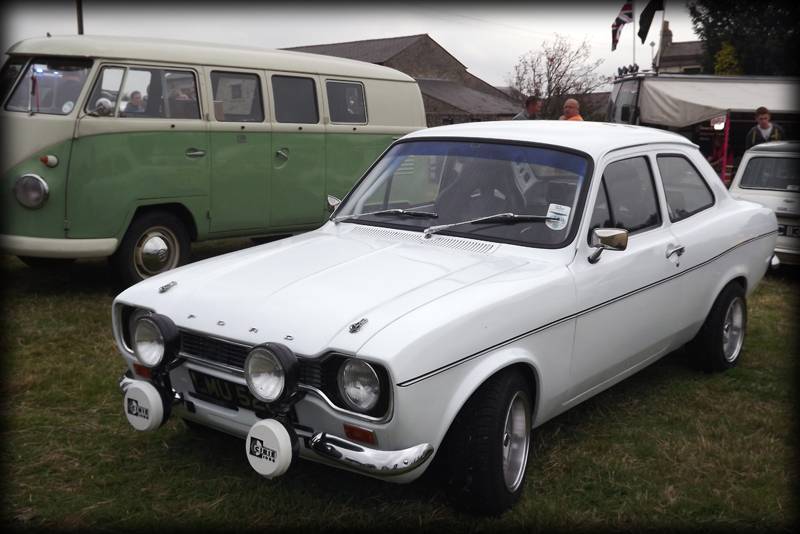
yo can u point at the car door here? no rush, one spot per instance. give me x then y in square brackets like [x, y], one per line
[240, 144]
[625, 309]
[297, 196]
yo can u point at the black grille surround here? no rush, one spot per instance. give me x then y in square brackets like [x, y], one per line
[319, 373]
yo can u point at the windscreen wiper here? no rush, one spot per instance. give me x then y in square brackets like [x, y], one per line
[504, 218]
[393, 211]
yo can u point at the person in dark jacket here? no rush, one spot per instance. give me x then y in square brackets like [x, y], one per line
[764, 130]
[532, 108]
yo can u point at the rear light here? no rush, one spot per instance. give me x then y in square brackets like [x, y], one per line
[362, 435]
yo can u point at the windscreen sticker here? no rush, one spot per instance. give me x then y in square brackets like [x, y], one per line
[559, 212]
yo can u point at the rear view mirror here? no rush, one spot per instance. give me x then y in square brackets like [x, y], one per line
[607, 239]
[333, 203]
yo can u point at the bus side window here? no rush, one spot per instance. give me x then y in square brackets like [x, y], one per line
[105, 94]
[160, 94]
[237, 97]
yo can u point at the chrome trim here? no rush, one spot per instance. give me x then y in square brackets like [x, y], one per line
[356, 415]
[369, 461]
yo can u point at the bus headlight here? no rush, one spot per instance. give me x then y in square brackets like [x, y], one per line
[31, 191]
[359, 385]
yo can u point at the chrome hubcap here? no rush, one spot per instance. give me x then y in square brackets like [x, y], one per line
[733, 330]
[156, 251]
[515, 440]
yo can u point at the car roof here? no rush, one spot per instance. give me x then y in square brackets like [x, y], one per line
[200, 53]
[593, 138]
[777, 147]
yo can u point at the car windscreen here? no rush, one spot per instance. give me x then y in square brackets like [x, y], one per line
[50, 86]
[451, 181]
[779, 174]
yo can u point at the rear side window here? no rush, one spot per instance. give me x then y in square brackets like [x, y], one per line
[160, 94]
[295, 99]
[237, 97]
[686, 191]
[777, 174]
[346, 102]
[630, 197]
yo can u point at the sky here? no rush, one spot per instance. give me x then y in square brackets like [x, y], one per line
[488, 38]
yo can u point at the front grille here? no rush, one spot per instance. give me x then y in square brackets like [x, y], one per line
[233, 355]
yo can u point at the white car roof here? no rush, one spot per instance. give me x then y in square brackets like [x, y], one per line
[594, 138]
[199, 53]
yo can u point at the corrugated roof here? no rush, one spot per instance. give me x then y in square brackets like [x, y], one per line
[466, 99]
[371, 50]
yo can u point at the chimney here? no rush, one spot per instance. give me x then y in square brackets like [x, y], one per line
[666, 35]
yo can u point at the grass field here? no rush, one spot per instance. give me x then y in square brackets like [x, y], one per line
[669, 447]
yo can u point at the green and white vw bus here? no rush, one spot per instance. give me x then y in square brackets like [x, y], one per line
[132, 148]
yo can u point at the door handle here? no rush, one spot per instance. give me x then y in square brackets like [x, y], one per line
[194, 153]
[282, 153]
[677, 249]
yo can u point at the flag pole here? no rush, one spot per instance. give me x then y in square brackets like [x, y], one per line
[633, 16]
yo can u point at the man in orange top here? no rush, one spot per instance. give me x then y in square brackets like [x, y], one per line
[571, 111]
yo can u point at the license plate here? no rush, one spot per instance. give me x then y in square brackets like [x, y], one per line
[789, 230]
[225, 393]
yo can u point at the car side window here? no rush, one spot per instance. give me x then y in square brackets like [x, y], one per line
[159, 94]
[601, 215]
[686, 191]
[346, 102]
[103, 100]
[237, 97]
[630, 195]
[295, 99]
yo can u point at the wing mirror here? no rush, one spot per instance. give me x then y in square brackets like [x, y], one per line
[102, 108]
[333, 203]
[607, 238]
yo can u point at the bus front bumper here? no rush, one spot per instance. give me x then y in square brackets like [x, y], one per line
[42, 247]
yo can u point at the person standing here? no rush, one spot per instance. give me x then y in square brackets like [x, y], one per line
[764, 130]
[571, 111]
[532, 108]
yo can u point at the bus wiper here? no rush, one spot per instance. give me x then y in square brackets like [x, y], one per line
[393, 211]
[505, 218]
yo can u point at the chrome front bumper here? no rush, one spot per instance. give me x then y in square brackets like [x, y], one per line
[348, 454]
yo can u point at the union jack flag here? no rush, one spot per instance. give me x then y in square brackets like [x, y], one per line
[625, 16]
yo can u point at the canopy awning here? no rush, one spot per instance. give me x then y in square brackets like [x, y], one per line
[681, 102]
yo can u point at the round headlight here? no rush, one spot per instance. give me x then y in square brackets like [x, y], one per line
[148, 342]
[359, 385]
[265, 374]
[31, 191]
[156, 340]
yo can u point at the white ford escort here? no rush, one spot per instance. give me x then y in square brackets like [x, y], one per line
[479, 280]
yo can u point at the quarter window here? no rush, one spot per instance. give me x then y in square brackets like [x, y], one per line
[346, 102]
[237, 97]
[627, 197]
[160, 94]
[10, 73]
[686, 191]
[295, 100]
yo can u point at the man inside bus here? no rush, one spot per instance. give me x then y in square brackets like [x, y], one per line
[135, 104]
[764, 130]
[571, 111]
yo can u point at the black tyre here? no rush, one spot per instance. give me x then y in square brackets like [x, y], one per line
[718, 345]
[155, 242]
[46, 263]
[485, 454]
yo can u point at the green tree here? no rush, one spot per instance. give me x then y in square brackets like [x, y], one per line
[765, 34]
[726, 62]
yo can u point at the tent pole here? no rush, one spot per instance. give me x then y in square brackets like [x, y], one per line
[724, 165]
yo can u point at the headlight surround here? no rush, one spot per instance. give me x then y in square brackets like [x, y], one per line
[31, 191]
[271, 372]
[155, 340]
[359, 385]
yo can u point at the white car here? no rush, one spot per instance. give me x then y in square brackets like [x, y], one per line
[770, 175]
[479, 280]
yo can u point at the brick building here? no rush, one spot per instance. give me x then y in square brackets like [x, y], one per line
[450, 93]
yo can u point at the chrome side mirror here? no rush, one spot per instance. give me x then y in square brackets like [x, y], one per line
[333, 203]
[102, 108]
[607, 238]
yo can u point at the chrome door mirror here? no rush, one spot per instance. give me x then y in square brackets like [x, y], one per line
[333, 203]
[607, 238]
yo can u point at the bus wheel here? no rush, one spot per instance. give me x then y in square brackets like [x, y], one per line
[46, 263]
[154, 243]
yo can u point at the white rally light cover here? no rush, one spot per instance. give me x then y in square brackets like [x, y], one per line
[268, 448]
[148, 343]
[143, 406]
